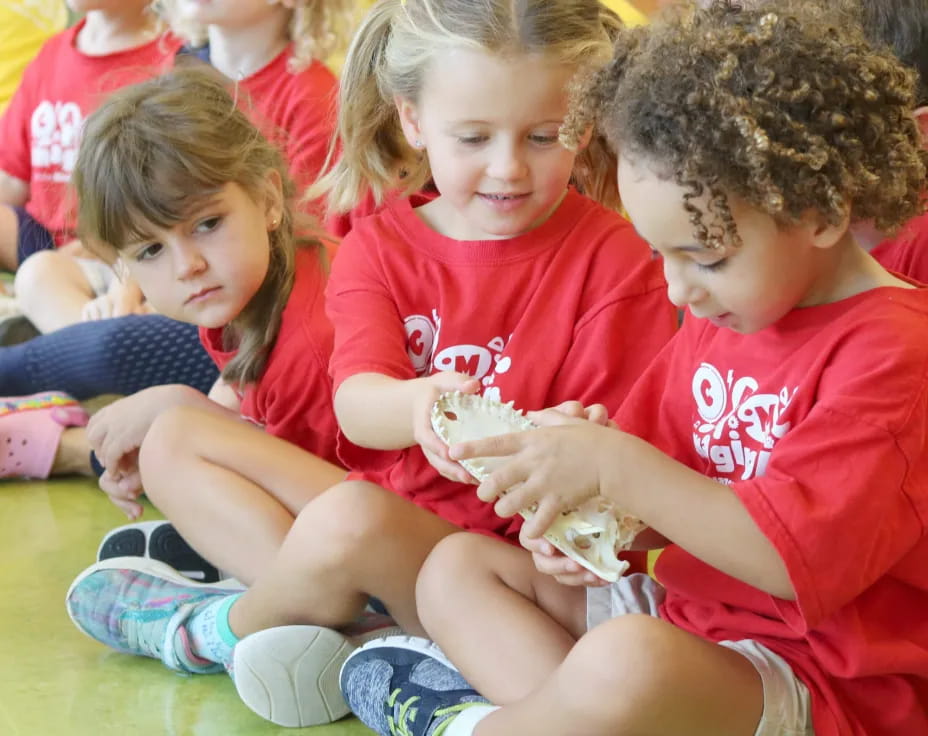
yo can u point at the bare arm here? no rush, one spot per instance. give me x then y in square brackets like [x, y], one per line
[384, 413]
[568, 461]
[14, 192]
[702, 516]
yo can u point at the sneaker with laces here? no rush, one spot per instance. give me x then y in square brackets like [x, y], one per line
[139, 606]
[158, 540]
[405, 686]
[289, 674]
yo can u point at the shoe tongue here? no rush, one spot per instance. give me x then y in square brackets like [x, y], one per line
[417, 719]
[426, 716]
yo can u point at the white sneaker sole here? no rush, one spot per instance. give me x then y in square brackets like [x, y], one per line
[414, 644]
[289, 674]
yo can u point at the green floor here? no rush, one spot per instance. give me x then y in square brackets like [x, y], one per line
[55, 680]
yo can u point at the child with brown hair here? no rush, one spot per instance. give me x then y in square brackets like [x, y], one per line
[275, 53]
[776, 446]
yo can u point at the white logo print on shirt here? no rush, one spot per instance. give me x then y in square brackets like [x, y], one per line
[422, 335]
[737, 425]
[56, 132]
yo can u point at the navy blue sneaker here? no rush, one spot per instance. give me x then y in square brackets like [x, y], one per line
[405, 686]
[158, 540]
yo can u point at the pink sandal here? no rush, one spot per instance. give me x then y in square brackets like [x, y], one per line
[30, 430]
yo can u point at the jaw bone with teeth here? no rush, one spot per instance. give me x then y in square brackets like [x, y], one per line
[592, 534]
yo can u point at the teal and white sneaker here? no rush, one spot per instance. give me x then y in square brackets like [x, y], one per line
[139, 606]
[289, 674]
[405, 686]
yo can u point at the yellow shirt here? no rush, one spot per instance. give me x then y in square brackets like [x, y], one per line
[24, 27]
[629, 14]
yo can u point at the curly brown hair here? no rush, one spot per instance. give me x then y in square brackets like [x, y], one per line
[779, 105]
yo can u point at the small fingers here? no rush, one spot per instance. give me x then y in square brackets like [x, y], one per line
[598, 414]
[537, 545]
[570, 409]
[120, 487]
[498, 446]
[447, 468]
[586, 579]
[131, 509]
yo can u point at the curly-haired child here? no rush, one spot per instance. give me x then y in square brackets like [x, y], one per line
[776, 445]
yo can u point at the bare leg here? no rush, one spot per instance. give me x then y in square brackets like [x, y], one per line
[505, 625]
[241, 488]
[73, 455]
[9, 235]
[636, 675]
[354, 540]
[52, 290]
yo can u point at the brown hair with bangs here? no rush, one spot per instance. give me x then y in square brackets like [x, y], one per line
[152, 153]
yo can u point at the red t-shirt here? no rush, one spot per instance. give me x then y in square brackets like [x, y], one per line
[819, 425]
[293, 398]
[40, 130]
[296, 111]
[907, 253]
[574, 309]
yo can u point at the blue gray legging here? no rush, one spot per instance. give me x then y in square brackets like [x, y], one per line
[110, 356]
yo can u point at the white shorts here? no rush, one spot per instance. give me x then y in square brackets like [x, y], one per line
[787, 710]
[98, 274]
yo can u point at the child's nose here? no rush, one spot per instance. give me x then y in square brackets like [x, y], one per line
[682, 291]
[507, 162]
[188, 262]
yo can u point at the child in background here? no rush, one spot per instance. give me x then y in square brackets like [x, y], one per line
[902, 25]
[788, 415]
[509, 281]
[273, 50]
[118, 42]
[288, 91]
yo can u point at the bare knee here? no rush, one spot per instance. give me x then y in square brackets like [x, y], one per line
[33, 275]
[453, 558]
[628, 655]
[463, 567]
[345, 524]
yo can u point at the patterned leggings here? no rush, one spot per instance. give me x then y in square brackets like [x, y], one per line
[111, 356]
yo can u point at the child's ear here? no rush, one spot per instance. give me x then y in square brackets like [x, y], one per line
[585, 139]
[821, 232]
[921, 119]
[409, 121]
[274, 209]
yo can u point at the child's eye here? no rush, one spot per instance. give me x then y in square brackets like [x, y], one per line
[148, 252]
[471, 140]
[718, 265]
[207, 225]
[543, 140]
